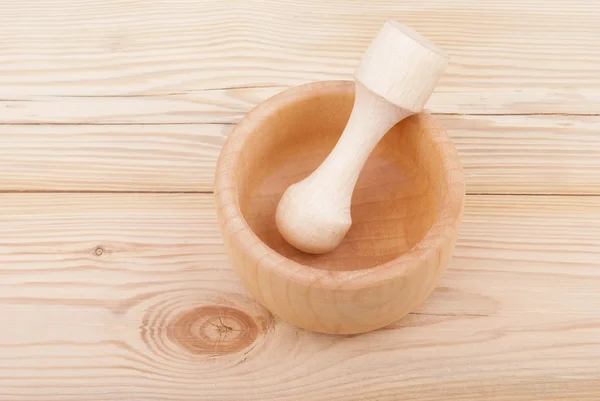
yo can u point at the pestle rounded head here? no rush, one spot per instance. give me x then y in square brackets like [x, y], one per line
[306, 219]
[401, 66]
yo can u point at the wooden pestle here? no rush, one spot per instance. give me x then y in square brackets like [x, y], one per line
[394, 80]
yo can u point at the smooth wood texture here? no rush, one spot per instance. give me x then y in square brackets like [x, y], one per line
[508, 56]
[406, 209]
[401, 66]
[126, 296]
[393, 81]
[229, 105]
[130, 296]
[109, 158]
[500, 154]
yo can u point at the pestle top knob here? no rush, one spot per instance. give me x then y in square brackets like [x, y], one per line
[394, 80]
[401, 66]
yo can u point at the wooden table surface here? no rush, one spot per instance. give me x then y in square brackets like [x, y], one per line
[114, 284]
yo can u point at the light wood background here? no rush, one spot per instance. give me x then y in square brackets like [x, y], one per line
[114, 284]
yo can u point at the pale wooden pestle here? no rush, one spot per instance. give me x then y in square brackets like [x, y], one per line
[394, 80]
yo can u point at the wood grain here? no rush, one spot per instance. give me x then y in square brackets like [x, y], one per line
[528, 154]
[130, 296]
[500, 154]
[209, 106]
[126, 296]
[508, 57]
[109, 158]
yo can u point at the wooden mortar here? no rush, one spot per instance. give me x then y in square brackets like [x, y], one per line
[406, 207]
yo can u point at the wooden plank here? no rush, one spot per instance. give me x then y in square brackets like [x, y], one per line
[109, 158]
[500, 154]
[209, 106]
[507, 56]
[228, 106]
[528, 154]
[128, 296]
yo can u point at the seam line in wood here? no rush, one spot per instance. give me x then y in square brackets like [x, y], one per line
[74, 191]
[117, 192]
[217, 122]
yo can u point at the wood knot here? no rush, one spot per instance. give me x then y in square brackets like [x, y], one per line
[184, 324]
[99, 251]
[215, 330]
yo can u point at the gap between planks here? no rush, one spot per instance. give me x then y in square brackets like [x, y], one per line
[69, 191]
[116, 192]
[235, 123]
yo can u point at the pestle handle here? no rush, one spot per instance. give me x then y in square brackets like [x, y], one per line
[394, 80]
